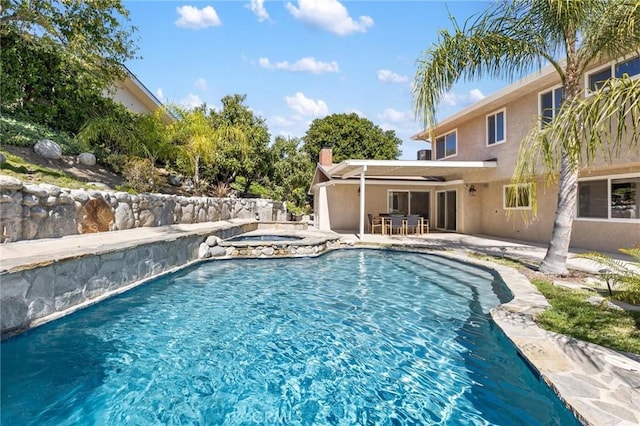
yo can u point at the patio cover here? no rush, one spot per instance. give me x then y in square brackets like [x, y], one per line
[415, 170]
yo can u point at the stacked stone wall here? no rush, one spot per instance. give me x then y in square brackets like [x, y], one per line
[43, 292]
[29, 211]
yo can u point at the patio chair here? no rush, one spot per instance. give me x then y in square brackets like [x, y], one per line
[398, 223]
[424, 225]
[375, 222]
[414, 224]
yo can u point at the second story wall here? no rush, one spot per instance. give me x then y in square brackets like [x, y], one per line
[495, 127]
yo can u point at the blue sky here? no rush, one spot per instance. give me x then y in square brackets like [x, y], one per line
[298, 60]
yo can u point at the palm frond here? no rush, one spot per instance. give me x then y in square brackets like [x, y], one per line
[589, 129]
[506, 41]
[611, 30]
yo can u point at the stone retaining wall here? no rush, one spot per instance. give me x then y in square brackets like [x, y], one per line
[30, 212]
[47, 291]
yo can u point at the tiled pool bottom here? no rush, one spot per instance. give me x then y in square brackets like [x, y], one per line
[352, 337]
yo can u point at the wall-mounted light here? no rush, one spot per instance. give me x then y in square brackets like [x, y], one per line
[472, 191]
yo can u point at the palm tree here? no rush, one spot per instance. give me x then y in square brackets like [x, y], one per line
[513, 38]
[200, 140]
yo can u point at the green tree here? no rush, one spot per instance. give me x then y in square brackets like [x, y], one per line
[200, 141]
[96, 34]
[113, 133]
[41, 85]
[154, 137]
[291, 171]
[512, 38]
[351, 136]
[245, 158]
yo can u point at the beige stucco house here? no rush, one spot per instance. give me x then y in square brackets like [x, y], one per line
[463, 187]
[135, 96]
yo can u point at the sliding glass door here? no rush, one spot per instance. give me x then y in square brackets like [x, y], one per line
[447, 210]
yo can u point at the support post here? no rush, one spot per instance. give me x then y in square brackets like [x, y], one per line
[362, 192]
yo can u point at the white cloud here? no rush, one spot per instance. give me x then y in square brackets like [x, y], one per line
[291, 121]
[359, 113]
[305, 106]
[452, 100]
[160, 94]
[329, 15]
[191, 101]
[391, 77]
[308, 64]
[193, 18]
[390, 114]
[201, 84]
[257, 7]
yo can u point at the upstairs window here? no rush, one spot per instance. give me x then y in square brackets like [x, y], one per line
[550, 102]
[598, 78]
[629, 67]
[496, 128]
[447, 145]
[517, 197]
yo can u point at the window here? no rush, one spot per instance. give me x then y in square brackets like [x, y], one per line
[628, 67]
[598, 78]
[550, 102]
[496, 128]
[410, 202]
[446, 145]
[517, 197]
[611, 198]
[398, 202]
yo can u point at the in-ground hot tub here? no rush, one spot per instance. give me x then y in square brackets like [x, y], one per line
[276, 240]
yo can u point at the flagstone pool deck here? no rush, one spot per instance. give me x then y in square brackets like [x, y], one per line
[601, 386]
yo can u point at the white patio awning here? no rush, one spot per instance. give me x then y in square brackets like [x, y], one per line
[416, 170]
[403, 169]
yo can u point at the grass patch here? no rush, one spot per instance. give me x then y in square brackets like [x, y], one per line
[32, 173]
[571, 315]
[504, 261]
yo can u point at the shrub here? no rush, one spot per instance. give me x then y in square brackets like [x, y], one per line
[140, 174]
[221, 190]
[18, 132]
[623, 274]
[117, 162]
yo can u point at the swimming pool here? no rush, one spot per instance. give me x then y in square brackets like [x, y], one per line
[351, 337]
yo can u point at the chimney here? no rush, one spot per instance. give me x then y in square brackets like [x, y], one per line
[326, 156]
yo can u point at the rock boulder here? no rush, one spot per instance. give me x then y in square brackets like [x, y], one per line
[47, 148]
[87, 158]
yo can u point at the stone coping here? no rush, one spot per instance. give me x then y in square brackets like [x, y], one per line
[29, 254]
[600, 386]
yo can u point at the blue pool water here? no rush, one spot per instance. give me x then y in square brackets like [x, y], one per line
[353, 337]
